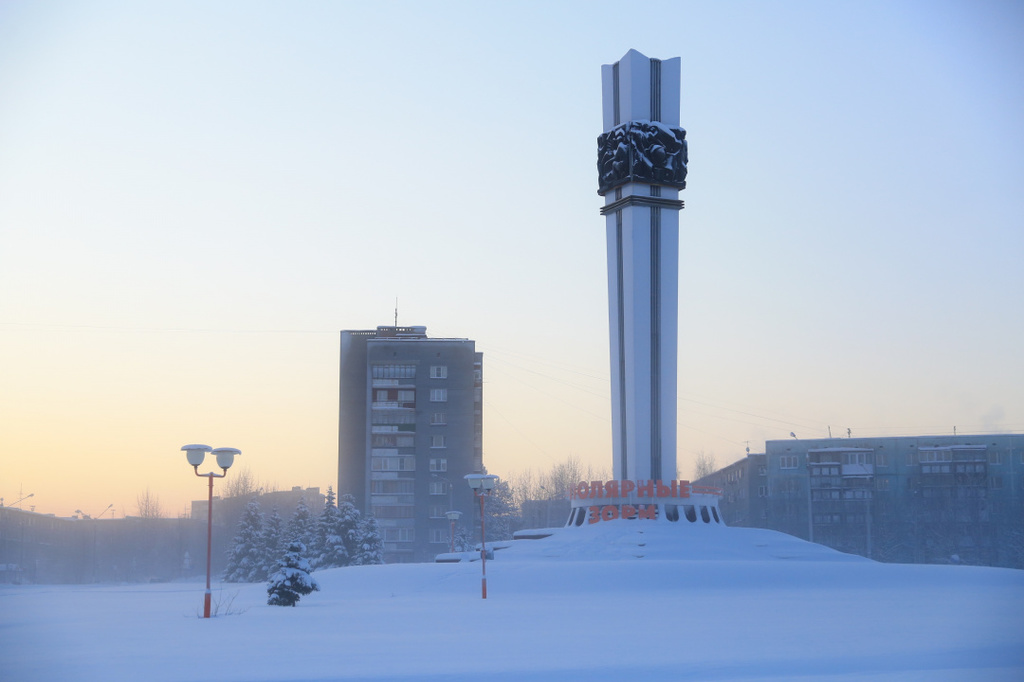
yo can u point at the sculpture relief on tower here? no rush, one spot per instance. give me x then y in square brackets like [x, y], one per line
[642, 151]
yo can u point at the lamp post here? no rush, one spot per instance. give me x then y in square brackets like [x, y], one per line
[482, 485]
[17, 502]
[225, 458]
[95, 552]
[453, 516]
[86, 516]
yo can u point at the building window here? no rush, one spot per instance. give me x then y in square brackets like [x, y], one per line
[394, 371]
[995, 482]
[439, 371]
[438, 419]
[392, 486]
[437, 511]
[762, 471]
[995, 458]
[399, 534]
[928, 456]
[881, 459]
[393, 463]
[406, 396]
[438, 535]
[439, 395]
[438, 464]
[380, 396]
[762, 491]
[788, 461]
[788, 488]
[439, 487]
[881, 484]
[437, 441]
[386, 417]
[850, 458]
[393, 511]
[392, 440]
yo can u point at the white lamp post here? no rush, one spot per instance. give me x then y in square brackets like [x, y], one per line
[482, 485]
[453, 516]
[225, 458]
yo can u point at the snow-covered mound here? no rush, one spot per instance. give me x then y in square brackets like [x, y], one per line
[614, 601]
[622, 539]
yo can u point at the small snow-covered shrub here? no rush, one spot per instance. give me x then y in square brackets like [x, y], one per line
[292, 579]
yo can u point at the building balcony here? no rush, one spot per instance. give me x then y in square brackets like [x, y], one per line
[858, 470]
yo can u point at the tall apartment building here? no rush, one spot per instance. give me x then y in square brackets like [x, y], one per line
[410, 427]
[921, 499]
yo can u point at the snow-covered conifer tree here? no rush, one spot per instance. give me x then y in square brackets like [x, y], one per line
[331, 544]
[245, 558]
[292, 579]
[302, 527]
[273, 541]
[348, 526]
[502, 514]
[463, 543]
[371, 546]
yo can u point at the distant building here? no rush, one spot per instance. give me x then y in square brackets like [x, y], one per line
[43, 548]
[410, 427]
[924, 499]
[228, 511]
[744, 485]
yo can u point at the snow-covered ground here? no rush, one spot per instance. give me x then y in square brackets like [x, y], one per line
[616, 601]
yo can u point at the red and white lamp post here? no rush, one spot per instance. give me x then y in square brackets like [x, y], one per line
[225, 458]
[482, 485]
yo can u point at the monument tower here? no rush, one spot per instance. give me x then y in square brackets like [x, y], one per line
[642, 167]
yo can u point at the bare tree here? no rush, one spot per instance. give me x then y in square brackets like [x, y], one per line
[704, 465]
[564, 476]
[526, 488]
[243, 483]
[523, 486]
[148, 505]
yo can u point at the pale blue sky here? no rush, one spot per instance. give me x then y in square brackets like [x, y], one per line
[196, 197]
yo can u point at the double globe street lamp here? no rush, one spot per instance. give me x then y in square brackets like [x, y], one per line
[482, 485]
[225, 458]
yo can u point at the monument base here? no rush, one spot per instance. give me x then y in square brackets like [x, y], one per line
[646, 500]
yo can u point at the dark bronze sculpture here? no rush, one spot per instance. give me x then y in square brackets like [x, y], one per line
[642, 151]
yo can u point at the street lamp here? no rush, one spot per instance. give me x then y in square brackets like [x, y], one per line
[225, 458]
[482, 485]
[86, 516]
[453, 516]
[17, 502]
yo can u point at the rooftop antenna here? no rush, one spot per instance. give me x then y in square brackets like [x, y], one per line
[396, 311]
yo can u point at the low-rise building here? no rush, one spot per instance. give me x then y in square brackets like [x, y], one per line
[921, 499]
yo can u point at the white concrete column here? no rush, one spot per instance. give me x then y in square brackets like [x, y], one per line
[642, 167]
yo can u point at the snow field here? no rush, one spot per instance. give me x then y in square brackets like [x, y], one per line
[579, 605]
